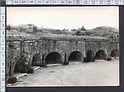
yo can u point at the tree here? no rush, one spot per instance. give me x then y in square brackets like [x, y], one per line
[8, 27]
[73, 29]
[77, 33]
[82, 28]
[35, 29]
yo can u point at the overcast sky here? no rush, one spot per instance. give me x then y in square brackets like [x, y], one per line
[64, 17]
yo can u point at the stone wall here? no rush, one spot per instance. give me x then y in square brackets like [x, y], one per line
[12, 56]
[32, 49]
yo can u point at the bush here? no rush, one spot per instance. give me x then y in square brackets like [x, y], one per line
[12, 80]
[65, 63]
[109, 59]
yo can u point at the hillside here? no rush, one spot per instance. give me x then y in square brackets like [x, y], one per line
[104, 31]
[30, 29]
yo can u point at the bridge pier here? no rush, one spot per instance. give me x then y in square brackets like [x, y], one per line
[90, 56]
[66, 62]
[43, 63]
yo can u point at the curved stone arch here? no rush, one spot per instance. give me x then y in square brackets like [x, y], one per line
[30, 58]
[61, 52]
[114, 53]
[53, 58]
[105, 50]
[36, 59]
[21, 65]
[101, 54]
[13, 65]
[75, 56]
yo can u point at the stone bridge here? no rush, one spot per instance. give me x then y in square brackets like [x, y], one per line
[57, 50]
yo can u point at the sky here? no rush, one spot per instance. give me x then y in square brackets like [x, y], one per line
[64, 17]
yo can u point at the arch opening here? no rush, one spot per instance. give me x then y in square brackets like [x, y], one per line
[75, 56]
[90, 57]
[53, 58]
[36, 60]
[115, 53]
[101, 55]
[21, 66]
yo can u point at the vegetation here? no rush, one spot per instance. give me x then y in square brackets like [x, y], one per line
[31, 29]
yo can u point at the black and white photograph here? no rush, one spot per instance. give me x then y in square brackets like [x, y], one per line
[62, 46]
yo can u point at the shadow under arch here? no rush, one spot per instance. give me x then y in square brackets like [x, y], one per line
[90, 56]
[53, 58]
[115, 53]
[101, 55]
[17, 68]
[75, 56]
[21, 65]
[36, 59]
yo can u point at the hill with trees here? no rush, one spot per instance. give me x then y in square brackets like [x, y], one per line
[31, 29]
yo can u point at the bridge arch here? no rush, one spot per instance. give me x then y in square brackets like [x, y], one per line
[53, 58]
[115, 53]
[16, 67]
[90, 56]
[36, 59]
[75, 56]
[101, 54]
[20, 66]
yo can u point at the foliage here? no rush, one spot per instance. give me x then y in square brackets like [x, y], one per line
[8, 27]
[31, 29]
[105, 31]
[83, 29]
[77, 33]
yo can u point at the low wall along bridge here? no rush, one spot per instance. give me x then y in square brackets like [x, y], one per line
[51, 50]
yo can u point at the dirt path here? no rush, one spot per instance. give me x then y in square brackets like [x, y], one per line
[99, 73]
